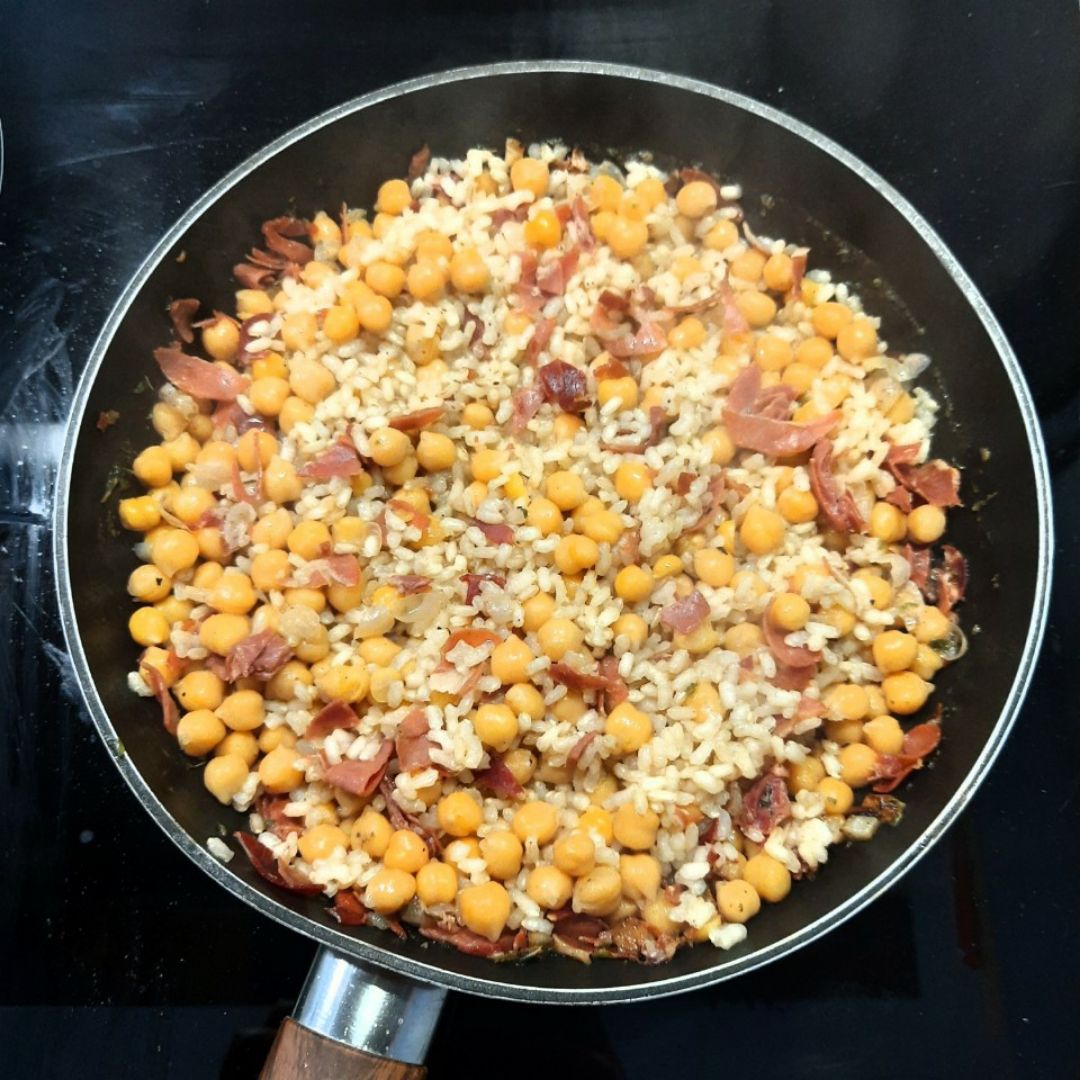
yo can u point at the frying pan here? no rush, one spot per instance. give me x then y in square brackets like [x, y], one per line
[371, 1002]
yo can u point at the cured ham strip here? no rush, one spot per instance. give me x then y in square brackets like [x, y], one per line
[421, 418]
[200, 378]
[170, 713]
[752, 430]
[564, 385]
[341, 460]
[330, 718]
[649, 339]
[181, 314]
[498, 779]
[790, 656]
[506, 944]
[473, 582]
[836, 504]
[892, 769]
[274, 870]
[411, 743]
[687, 614]
[262, 655]
[361, 778]
[526, 403]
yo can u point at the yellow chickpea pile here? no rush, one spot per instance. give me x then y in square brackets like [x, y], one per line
[598, 856]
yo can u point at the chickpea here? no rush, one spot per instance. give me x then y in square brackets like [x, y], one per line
[926, 524]
[537, 611]
[743, 638]
[881, 592]
[529, 174]
[667, 565]
[394, 197]
[905, 692]
[558, 637]
[805, 775]
[762, 531]
[721, 236]
[459, 814]
[884, 734]
[837, 794]
[389, 890]
[345, 682]
[632, 480]
[545, 516]
[887, 523]
[153, 467]
[225, 776]
[789, 612]
[174, 610]
[931, 625]
[634, 584]
[477, 416]
[721, 447]
[602, 527]
[549, 887]
[565, 427]
[375, 314]
[629, 728]
[846, 701]
[173, 551]
[927, 662]
[484, 909]
[778, 273]
[502, 852]
[198, 732]
[696, 199]
[389, 447]
[626, 238]
[181, 451]
[738, 901]
[756, 308]
[565, 490]
[576, 553]
[894, 651]
[857, 763]
[510, 660]
[425, 280]
[633, 830]
[496, 726]
[168, 421]
[605, 193]
[435, 452]
[140, 514]
[843, 621]
[857, 340]
[748, 267]
[280, 481]
[770, 879]
[624, 390]
[148, 626]
[536, 819]
[271, 738]
[631, 627]
[200, 690]
[830, 318]
[385, 278]
[598, 892]
[371, 833]
[797, 507]
[232, 594]
[772, 353]
[436, 883]
[575, 853]
[688, 334]
[405, 851]
[279, 772]
[242, 710]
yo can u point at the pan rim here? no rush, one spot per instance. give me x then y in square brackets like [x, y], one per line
[327, 935]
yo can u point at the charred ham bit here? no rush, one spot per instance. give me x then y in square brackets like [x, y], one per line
[649, 339]
[713, 505]
[792, 678]
[261, 655]
[900, 497]
[580, 226]
[341, 460]
[277, 233]
[918, 559]
[181, 314]
[473, 582]
[576, 680]
[411, 743]
[683, 483]
[498, 779]
[632, 939]
[579, 936]
[200, 378]
[276, 871]
[836, 504]
[327, 570]
[752, 429]
[686, 615]
[416, 421]
[496, 532]
[361, 778]
[798, 272]
[616, 691]
[764, 807]
[348, 909]
[508, 943]
[936, 482]
[500, 217]
[564, 385]
[476, 335]
[552, 277]
[331, 717]
[418, 163]
[106, 419]
[253, 277]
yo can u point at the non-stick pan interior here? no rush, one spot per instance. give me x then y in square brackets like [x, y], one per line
[793, 188]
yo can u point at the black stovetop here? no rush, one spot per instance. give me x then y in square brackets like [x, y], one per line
[117, 957]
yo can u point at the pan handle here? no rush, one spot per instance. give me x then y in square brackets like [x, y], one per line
[356, 1022]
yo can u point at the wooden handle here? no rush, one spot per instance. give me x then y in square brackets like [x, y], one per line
[300, 1054]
